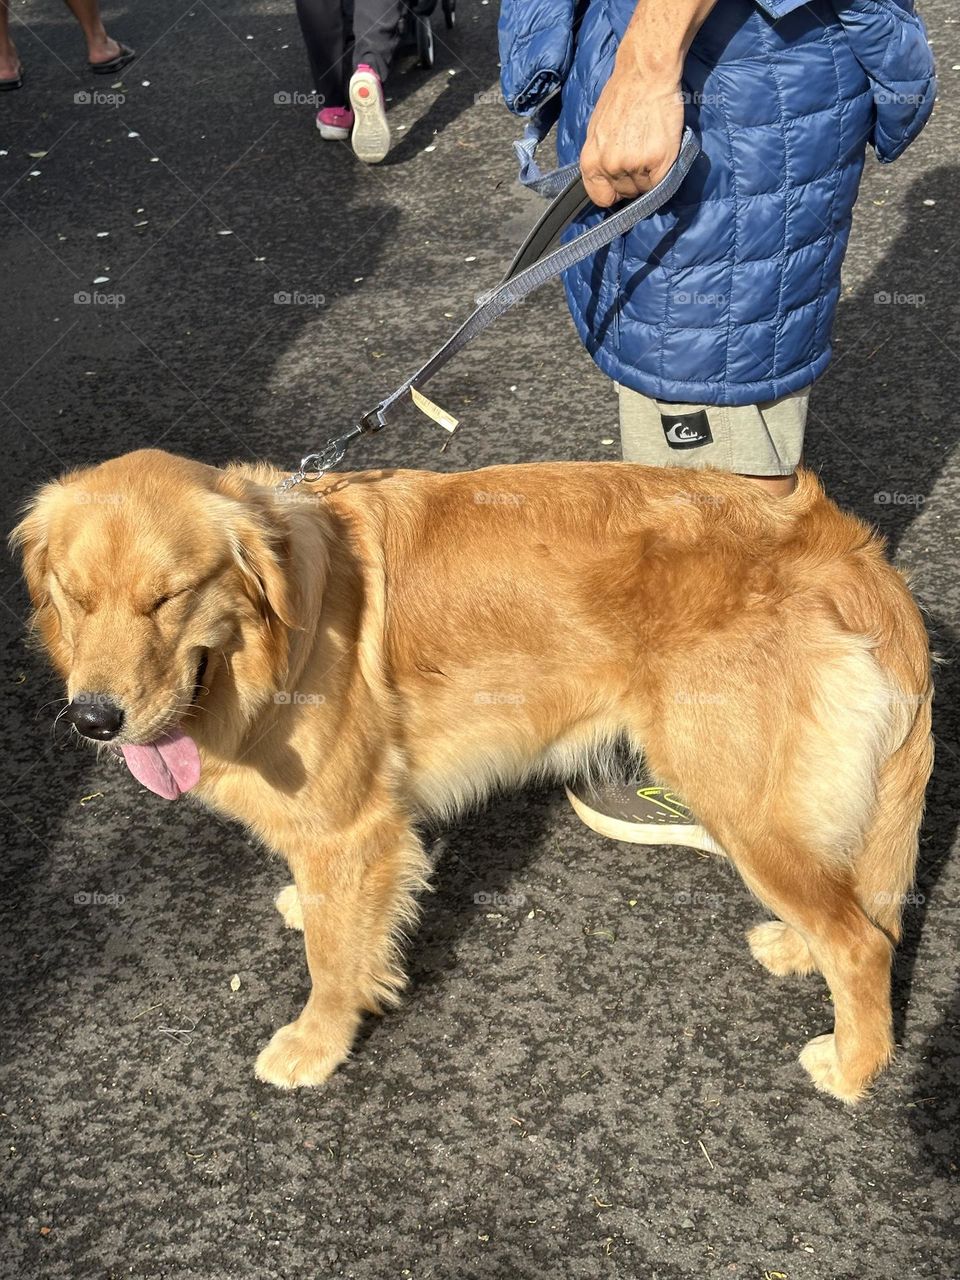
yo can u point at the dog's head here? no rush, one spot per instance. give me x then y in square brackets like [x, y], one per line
[152, 579]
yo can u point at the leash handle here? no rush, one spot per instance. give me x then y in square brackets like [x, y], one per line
[523, 279]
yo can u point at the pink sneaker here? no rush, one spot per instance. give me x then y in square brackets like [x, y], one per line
[335, 122]
[371, 133]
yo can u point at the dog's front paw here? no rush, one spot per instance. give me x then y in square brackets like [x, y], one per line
[297, 1056]
[287, 903]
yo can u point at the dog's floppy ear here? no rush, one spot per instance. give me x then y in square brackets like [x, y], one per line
[30, 539]
[260, 540]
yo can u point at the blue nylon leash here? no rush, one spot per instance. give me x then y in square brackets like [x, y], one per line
[534, 264]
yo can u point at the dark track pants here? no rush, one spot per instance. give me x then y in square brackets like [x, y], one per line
[340, 34]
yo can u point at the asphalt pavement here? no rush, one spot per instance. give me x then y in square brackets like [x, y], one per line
[590, 1076]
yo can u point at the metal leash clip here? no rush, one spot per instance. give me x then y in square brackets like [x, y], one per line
[314, 466]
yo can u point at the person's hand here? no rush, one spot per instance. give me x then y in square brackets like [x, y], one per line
[633, 137]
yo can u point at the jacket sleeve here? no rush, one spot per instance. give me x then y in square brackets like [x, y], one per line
[536, 47]
[890, 43]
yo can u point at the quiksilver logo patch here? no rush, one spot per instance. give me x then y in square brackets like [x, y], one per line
[686, 430]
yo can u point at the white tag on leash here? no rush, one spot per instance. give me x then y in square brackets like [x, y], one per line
[439, 416]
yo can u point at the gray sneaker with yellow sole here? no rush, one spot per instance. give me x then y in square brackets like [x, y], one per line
[639, 812]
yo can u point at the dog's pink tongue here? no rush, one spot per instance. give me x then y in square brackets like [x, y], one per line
[170, 766]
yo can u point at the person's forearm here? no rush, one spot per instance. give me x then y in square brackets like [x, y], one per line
[658, 36]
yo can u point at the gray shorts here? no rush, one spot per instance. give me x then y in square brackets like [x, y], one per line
[754, 439]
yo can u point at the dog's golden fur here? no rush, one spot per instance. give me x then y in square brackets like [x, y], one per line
[392, 644]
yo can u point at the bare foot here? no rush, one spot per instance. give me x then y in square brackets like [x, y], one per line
[102, 50]
[10, 65]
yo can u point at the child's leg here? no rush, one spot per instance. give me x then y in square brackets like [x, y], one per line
[321, 22]
[376, 32]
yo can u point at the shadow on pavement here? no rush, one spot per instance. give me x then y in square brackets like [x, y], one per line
[901, 382]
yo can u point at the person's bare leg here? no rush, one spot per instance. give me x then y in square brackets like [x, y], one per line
[778, 486]
[9, 61]
[100, 47]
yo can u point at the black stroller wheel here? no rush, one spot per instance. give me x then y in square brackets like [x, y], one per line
[424, 41]
[450, 13]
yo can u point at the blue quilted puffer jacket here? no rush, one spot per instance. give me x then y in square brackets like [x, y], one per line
[727, 295]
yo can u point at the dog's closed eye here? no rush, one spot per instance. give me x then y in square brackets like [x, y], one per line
[160, 601]
[73, 596]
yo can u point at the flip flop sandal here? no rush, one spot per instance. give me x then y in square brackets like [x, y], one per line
[15, 83]
[114, 65]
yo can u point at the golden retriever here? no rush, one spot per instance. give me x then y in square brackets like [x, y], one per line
[329, 666]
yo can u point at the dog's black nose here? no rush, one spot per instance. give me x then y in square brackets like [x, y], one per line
[95, 716]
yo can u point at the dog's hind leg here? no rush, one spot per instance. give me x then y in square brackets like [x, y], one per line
[799, 817]
[818, 902]
[858, 961]
[885, 863]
